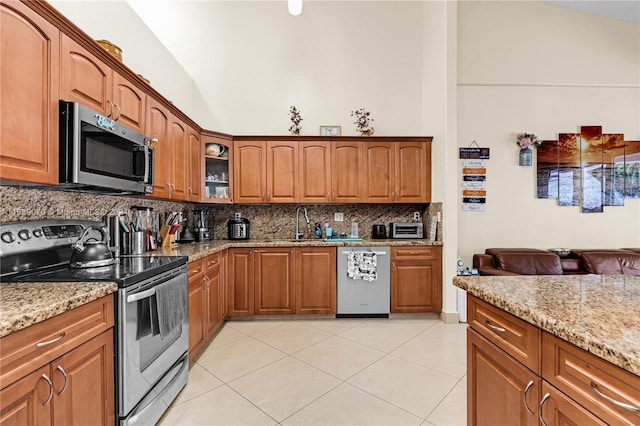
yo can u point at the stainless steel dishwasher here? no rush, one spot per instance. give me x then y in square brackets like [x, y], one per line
[361, 297]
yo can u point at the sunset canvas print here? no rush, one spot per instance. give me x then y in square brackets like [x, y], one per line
[613, 169]
[591, 164]
[589, 169]
[632, 169]
[569, 169]
[547, 169]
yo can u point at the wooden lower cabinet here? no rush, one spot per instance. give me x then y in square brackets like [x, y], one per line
[282, 281]
[416, 279]
[241, 283]
[196, 308]
[205, 305]
[274, 281]
[315, 280]
[496, 388]
[554, 388]
[557, 409]
[77, 387]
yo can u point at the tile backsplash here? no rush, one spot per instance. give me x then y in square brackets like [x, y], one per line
[274, 221]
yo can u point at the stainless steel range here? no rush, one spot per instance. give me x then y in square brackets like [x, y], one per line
[152, 329]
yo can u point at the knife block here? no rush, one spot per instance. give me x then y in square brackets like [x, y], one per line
[168, 239]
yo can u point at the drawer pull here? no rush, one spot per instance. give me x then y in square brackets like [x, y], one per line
[64, 374]
[629, 407]
[524, 397]
[544, 399]
[494, 328]
[48, 342]
[50, 383]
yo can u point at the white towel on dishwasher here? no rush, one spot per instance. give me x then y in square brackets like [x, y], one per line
[362, 265]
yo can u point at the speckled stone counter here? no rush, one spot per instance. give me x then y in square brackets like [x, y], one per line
[598, 313]
[25, 304]
[195, 251]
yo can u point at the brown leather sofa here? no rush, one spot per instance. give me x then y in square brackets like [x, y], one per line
[529, 261]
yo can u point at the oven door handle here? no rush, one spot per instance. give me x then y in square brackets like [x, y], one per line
[142, 295]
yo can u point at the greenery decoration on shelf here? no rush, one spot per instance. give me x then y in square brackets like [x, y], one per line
[362, 122]
[296, 118]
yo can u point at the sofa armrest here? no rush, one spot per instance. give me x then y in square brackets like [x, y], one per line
[483, 260]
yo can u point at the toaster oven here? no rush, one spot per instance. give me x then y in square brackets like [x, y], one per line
[402, 230]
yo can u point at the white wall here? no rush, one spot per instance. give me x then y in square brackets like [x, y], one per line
[253, 60]
[541, 68]
[142, 51]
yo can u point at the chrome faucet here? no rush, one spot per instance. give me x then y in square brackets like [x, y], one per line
[299, 234]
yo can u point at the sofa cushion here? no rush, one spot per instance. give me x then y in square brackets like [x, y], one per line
[609, 263]
[532, 263]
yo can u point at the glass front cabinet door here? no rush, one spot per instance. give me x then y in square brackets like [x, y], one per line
[218, 171]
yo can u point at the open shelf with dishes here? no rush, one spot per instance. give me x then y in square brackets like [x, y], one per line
[217, 169]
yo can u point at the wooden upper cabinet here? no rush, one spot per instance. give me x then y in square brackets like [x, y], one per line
[314, 179]
[130, 101]
[178, 139]
[379, 172]
[413, 172]
[157, 126]
[250, 170]
[282, 172]
[194, 145]
[30, 73]
[87, 80]
[347, 182]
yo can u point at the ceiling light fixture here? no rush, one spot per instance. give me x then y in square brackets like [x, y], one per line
[295, 7]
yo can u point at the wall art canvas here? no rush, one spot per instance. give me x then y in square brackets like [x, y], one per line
[632, 169]
[547, 169]
[591, 166]
[613, 169]
[569, 169]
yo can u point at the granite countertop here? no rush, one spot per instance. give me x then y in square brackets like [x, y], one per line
[25, 304]
[598, 313]
[195, 251]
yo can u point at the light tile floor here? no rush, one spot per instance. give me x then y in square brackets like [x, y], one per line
[328, 372]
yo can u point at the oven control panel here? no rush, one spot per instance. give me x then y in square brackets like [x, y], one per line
[19, 237]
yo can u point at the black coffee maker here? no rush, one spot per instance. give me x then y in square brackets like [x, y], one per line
[201, 228]
[238, 227]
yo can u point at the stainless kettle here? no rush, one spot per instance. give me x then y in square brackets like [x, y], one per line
[91, 254]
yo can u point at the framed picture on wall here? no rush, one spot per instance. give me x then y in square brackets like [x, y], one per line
[330, 130]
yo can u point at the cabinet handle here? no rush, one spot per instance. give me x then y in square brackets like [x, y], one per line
[494, 328]
[196, 271]
[524, 397]
[111, 110]
[190, 191]
[598, 392]
[119, 112]
[48, 342]
[64, 374]
[414, 253]
[393, 266]
[544, 399]
[207, 282]
[50, 383]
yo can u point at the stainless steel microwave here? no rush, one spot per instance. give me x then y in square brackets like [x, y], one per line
[402, 230]
[98, 153]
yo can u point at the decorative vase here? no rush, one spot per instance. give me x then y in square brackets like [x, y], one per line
[526, 157]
